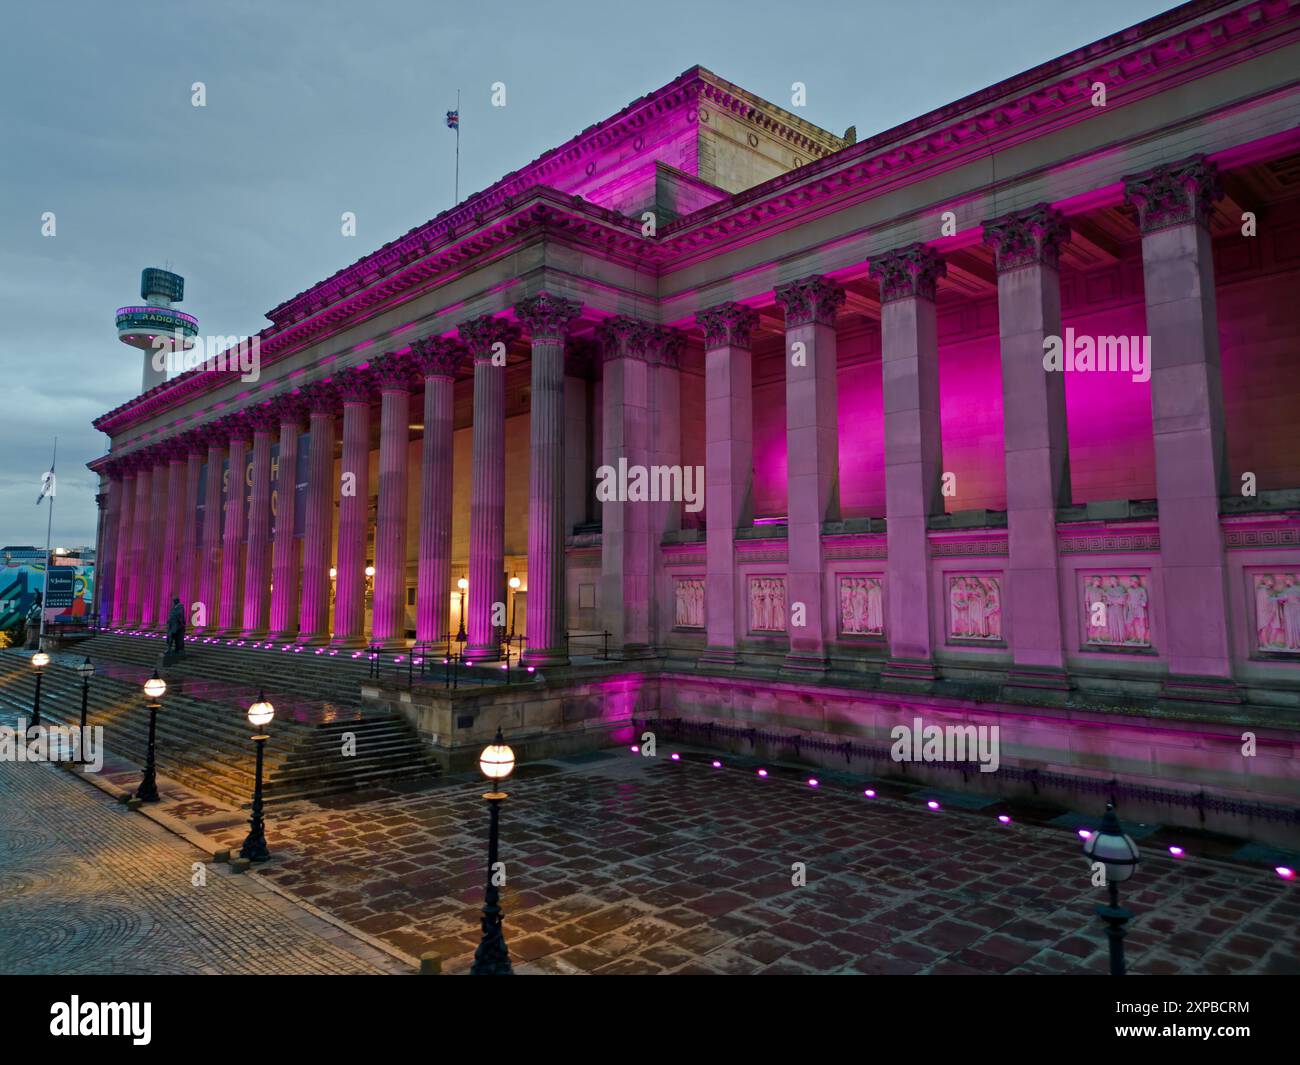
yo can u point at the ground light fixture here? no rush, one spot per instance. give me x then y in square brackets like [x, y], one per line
[39, 661]
[154, 689]
[1118, 856]
[492, 957]
[259, 716]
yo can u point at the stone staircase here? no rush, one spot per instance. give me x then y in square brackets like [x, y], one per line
[203, 732]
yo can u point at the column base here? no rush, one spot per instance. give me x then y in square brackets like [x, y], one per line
[1220, 691]
[488, 653]
[310, 639]
[1040, 683]
[717, 658]
[350, 643]
[805, 663]
[909, 674]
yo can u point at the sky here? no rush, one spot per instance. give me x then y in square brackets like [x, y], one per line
[317, 108]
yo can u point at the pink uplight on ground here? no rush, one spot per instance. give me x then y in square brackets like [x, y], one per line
[870, 793]
[1177, 852]
[1085, 834]
[717, 764]
[1285, 873]
[677, 757]
[762, 772]
[813, 782]
[1004, 819]
[933, 805]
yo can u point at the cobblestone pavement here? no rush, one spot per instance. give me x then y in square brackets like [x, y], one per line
[87, 887]
[621, 864]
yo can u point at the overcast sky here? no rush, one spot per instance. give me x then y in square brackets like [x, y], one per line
[318, 108]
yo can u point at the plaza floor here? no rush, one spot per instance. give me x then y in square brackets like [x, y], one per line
[615, 863]
[621, 864]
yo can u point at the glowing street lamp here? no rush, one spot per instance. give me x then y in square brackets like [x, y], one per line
[154, 689]
[462, 584]
[514, 604]
[39, 661]
[254, 848]
[493, 957]
[1118, 855]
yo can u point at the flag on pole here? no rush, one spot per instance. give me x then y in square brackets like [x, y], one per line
[453, 120]
[47, 486]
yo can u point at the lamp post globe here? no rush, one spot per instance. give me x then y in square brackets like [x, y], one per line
[1117, 854]
[254, 848]
[492, 958]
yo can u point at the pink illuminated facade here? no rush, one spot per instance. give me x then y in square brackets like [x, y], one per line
[902, 505]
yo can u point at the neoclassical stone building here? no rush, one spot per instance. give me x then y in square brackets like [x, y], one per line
[904, 507]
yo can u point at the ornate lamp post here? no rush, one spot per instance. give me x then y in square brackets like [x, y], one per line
[492, 957]
[154, 688]
[1118, 855]
[462, 584]
[85, 671]
[39, 661]
[254, 848]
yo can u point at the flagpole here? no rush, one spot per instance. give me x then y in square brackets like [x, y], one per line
[49, 528]
[457, 148]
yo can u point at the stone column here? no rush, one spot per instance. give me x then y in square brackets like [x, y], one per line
[210, 550]
[1174, 205]
[232, 544]
[487, 339]
[139, 537]
[124, 560]
[437, 359]
[322, 400]
[264, 422]
[812, 459]
[394, 375]
[548, 319]
[357, 389]
[108, 579]
[155, 541]
[169, 583]
[284, 552]
[1026, 247]
[195, 447]
[728, 471]
[625, 570]
[664, 447]
[909, 342]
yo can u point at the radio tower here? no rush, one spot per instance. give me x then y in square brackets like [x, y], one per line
[157, 328]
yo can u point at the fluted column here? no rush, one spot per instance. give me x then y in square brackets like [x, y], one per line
[1026, 247]
[812, 458]
[437, 359]
[728, 470]
[909, 342]
[356, 388]
[169, 583]
[151, 559]
[264, 422]
[232, 585]
[547, 318]
[122, 543]
[1174, 205]
[284, 552]
[210, 548]
[664, 449]
[139, 538]
[487, 339]
[394, 375]
[314, 624]
[188, 580]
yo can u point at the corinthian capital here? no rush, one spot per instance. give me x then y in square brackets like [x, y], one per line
[908, 272]
[437, 356]
[322, 397]
[393, 372]
[355, 385]
[262, 419]
[1032, 237]
[1175, 194]
[727, 325]
[622, 337]
[481, 335]
[547, 317]
[810, 300]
